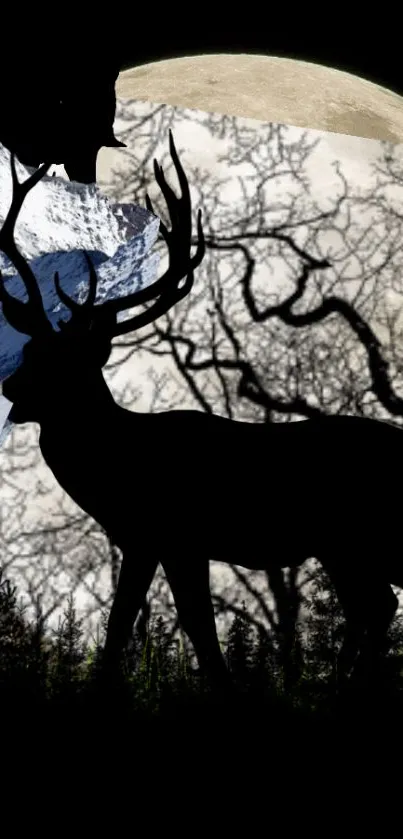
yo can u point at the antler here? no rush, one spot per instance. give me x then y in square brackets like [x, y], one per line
[167, 288]
[31, 316]
[166, 291]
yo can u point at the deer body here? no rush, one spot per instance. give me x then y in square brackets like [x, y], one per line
[182, 487]
[285, 485]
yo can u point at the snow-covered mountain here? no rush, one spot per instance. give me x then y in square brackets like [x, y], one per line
[58, 222]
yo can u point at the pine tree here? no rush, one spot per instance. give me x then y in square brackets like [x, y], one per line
[265, 671]
[14, 641]
[68, 654]
[240, 647]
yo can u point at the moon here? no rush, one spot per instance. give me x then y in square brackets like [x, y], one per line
[281, 90]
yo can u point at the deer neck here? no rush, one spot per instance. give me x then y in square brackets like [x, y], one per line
[81, 446]
[87, 410]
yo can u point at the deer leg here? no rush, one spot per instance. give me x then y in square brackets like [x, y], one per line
[134, 581]
[369, 606]
[350, 597]
[190, 585]
[382, 604]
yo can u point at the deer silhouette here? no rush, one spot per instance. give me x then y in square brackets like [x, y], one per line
[182, 487]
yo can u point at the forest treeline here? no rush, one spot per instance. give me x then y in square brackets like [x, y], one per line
[46, 670]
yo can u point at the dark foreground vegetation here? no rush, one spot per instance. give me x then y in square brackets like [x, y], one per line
[49, 682]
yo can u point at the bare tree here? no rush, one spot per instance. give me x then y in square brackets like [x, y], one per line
[300, 318]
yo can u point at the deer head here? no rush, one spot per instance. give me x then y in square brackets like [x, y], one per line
[70, 360]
